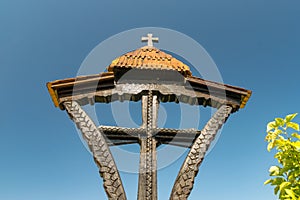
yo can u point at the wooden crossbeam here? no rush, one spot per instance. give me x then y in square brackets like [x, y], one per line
[120, 135]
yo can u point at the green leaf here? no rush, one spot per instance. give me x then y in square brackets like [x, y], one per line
[279, 121]
[296, 135]
[270, 146]
[268, 181]
[283, 185]
[296, 144]
[277, 132]
[291, 194]
[280, 142]
[277, 181]
[276, 189]
[288, 118]
[271, 125]
[293, 125]
[274, 170]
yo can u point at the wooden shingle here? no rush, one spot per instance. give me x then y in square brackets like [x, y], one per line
[149, 58]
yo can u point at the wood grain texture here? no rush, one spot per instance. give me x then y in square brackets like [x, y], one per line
[147, 189]
[185, 180]
[102, 156]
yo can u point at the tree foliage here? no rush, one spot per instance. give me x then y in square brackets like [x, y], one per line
[283, 136]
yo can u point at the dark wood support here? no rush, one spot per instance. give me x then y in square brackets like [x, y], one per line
[102, 156]
[148, 136]
[147, 189]
[116, 135]
[185, 180]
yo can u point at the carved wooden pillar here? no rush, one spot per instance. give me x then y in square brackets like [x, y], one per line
[97, 144]
[147, 189]
[185, 180]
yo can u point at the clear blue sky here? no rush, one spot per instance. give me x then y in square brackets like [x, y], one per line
[255, 45]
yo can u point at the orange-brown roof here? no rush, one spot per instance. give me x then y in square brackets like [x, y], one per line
[149, 58]
[99, 87]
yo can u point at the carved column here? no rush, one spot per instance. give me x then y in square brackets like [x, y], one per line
[97, 144]
[147, 189]
[185, 180]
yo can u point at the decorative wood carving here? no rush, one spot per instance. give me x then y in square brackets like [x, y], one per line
[186, 176]
[97, 144]
[148, 171]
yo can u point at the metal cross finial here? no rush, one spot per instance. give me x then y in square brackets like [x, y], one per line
[150, 39]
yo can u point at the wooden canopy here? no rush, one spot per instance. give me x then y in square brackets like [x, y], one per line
[154, 70]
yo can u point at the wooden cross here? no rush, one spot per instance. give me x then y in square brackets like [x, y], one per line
[149, 136]
[150, 39]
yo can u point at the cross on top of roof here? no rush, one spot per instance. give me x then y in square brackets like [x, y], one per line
[150, 39]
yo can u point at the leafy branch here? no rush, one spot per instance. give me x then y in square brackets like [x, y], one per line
[283, 136]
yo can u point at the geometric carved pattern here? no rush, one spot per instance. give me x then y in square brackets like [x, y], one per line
[98, 146]
[186, 176]
[147, 175]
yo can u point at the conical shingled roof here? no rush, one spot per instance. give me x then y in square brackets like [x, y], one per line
[149, 58]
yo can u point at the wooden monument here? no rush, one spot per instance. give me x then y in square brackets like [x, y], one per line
[151, 76]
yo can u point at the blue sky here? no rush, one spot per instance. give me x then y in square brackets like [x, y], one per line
[255, 45]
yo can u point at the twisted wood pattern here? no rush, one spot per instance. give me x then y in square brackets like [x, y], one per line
[149, 147]
[103, 158]
[186, 176]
